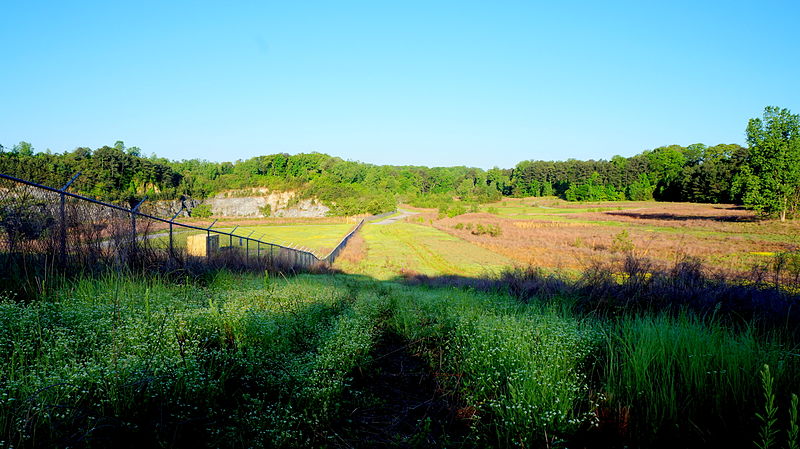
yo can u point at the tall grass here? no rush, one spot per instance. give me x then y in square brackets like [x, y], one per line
[244, 360]
[143, 361]
[520, 368]
[680, 378]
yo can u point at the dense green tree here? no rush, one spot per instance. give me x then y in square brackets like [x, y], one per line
[694, 173]
[770, 179]
[23, 149]
[666, 165]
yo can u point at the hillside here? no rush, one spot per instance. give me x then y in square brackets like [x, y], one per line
[695, 173]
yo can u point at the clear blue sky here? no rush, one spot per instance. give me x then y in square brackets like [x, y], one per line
[426, 83]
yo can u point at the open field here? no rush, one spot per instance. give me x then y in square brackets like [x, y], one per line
[552, 233]
[320, 238]
[541, 232]
[425, 337]
[347, 361]
[394, 249]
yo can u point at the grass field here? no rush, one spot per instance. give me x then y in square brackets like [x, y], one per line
[423, 337]
[320, 238]
[348, 361]
[553, 233]
[391, 250]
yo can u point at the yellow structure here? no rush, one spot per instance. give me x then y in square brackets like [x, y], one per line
[202, 245]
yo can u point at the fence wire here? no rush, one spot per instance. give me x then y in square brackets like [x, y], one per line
[43, 229]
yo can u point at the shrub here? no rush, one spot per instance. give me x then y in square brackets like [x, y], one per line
[202, 211]
[622, 242]
[490, 229]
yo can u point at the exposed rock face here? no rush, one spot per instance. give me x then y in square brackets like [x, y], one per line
[251, 203]
[304, 208]
[248, 206]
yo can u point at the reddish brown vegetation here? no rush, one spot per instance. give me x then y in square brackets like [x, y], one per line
[725, 237]
[355, 250]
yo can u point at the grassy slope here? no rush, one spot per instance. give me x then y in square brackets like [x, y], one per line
[392, 249]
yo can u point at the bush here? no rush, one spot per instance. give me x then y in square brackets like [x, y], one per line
[490, 229]
[202, 211]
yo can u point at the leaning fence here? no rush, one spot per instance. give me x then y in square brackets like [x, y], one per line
[42, 226]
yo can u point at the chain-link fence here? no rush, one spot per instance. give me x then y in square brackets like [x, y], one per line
[45, 229]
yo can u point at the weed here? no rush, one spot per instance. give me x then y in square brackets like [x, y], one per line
[622, 242]
[767, 418]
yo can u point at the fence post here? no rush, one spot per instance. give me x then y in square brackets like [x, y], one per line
[63, 233]
[62, 250]
[247, 249]
[170, 241]
[230, 238]
[171, 250]
[134, 211]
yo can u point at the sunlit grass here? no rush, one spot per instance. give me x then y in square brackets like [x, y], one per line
[320, 238]
[405, 247]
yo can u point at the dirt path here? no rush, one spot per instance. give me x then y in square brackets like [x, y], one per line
[393, 219]
[397, 403]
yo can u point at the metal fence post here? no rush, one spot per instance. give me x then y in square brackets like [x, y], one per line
[63, 232]
[171, 255]
[134, 211]
[171, 247]
[230, 238]
[62, 250]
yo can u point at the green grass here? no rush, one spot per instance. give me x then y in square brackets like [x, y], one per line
[118, 352]
[519, 366]
[682, 373]
[534, 211]
[319, 238]
[245, 360]
[393, 249]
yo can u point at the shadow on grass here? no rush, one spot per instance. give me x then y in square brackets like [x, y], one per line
[768, 296]
[680, 217]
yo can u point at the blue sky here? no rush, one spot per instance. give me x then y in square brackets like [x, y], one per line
[423, 83]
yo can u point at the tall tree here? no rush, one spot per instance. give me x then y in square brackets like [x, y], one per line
[771, 175]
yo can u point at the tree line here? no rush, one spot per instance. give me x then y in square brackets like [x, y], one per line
[764, 176]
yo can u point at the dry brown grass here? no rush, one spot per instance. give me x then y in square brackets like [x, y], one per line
[724, 237]
[355, 251]
[267, 221]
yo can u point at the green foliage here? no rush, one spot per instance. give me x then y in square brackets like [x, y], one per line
[770, 179]
[766, 175]
[593, 190]
[492, 230]
[260, 361]
[663, 368]
[202, 211]
[640, 190]
[452, 210]
[622, 242]
[793, 432]
[768, 418]
[246, 359]
[266, 210]
[665, 166]
[519, 368]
